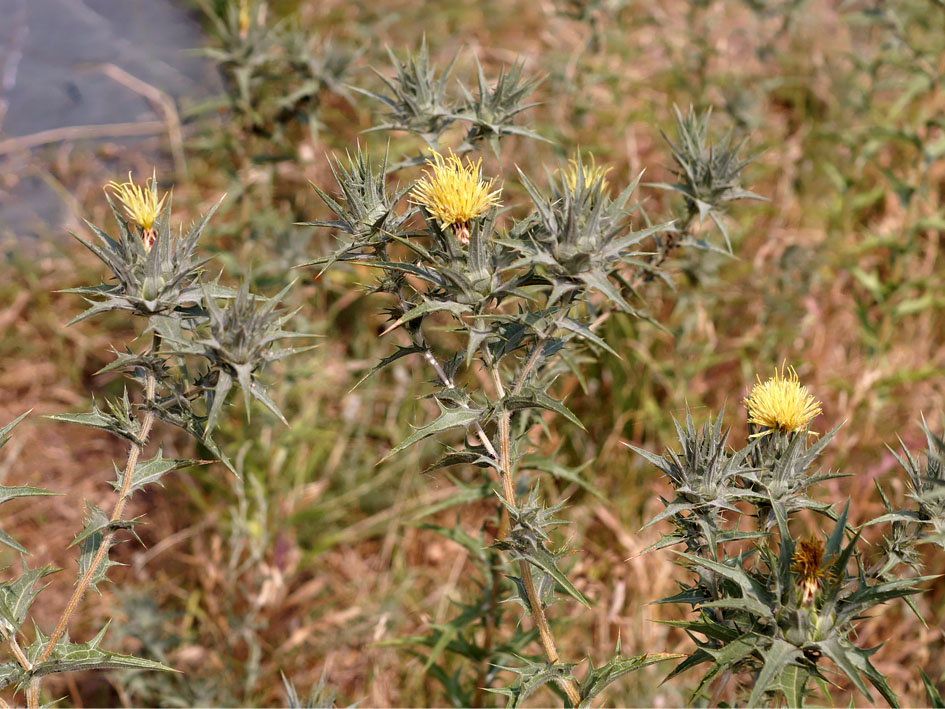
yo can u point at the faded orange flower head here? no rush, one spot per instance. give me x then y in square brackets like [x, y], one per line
[781, 403]
[807, 564]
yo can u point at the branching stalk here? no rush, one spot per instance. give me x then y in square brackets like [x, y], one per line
[534, 599]
[19, 654]
[82, 586]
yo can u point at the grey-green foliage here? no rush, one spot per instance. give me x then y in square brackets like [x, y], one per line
[580, 237]
[705, 476]
[491, 112]
[707, 172]
[923, 521]
[753, 618]
[321, 696]
[529, 677]
[365, 215]
[70, 657]
[274, 73]
[515, 306]
[204, 339]
[206, 336]
[418, 100]
[147, 281]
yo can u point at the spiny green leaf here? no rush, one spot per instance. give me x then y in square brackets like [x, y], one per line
[448, 418]
[530, 398]
[150, 472]
[598, 679]
[120, 422]
[842, 654]
[95, 521]
[17, 596]
[88, 549]
[547, 562]
[793, 683]
[76, 657]
[5, 431]
[935, 697]
[776, 658]
[428, 307]
[533, 676]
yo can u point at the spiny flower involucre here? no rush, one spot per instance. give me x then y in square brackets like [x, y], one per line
[455, 193]
[807, 564]
[592, 173]
[141, 204]
[781, 403]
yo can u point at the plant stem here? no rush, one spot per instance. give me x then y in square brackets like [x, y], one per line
[534, 600]
[19, 654]
[85, 581]
[503, 458]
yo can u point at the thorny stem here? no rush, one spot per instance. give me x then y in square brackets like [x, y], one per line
[19, 654]
[505, 421]
[419, 341]
[505, 473]
[503, 460]
[82, 586]
[534, 600]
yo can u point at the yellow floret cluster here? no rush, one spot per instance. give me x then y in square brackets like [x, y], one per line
[781, 403]
[455, 193]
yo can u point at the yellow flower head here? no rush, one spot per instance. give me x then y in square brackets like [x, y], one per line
[141, 204]
[455, 193]
[781, 403]
[243, 18]
[807, 564]
[592, 173]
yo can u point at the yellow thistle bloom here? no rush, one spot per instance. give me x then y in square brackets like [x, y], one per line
[781, 403]
[455, 193]
[592, 173]
[141, 204]
[243, 19]
[807, 564]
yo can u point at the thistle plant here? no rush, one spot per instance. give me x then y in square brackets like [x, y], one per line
[497, 308]
[418, 101]
[278, 80]
[776, 609]
[274, 72]
[923, 521]
[707, 177]
[203, 339]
